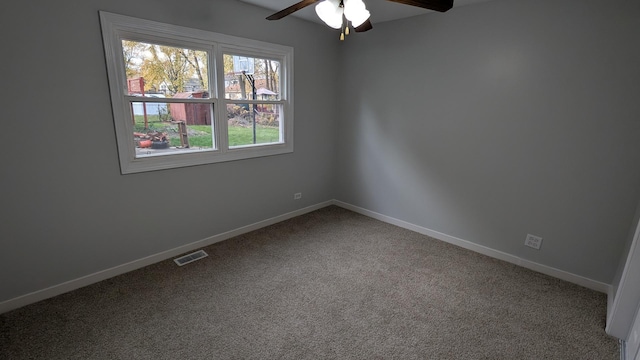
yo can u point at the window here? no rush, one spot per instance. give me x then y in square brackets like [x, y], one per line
[184, 97]
[252, 99]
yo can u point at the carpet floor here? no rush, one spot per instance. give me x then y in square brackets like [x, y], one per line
[331, 284]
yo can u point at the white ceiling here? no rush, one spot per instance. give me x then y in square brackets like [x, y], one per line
[381, 10]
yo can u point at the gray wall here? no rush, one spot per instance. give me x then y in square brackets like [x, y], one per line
[66, 210]
[486, 123]
[501, 119]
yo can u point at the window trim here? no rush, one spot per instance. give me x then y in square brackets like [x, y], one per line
[117, 27]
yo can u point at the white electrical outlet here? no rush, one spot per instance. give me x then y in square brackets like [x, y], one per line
[533, 241]
[297, 196]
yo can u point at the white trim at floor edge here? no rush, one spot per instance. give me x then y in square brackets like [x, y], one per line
[544, 269]
[38, 295]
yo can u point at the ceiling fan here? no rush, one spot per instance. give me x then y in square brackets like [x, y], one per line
[339, 13]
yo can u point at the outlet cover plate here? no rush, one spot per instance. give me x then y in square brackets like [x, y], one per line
[533, 241]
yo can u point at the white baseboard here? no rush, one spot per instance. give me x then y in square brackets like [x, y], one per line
[544, 269]
[67, 286]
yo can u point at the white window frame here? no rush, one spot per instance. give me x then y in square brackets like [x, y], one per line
[116, 28]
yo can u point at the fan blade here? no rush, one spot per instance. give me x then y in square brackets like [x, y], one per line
[436, 5]
[291, 9]
[365, 26]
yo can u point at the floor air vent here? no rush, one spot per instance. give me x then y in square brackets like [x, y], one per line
[183, 260]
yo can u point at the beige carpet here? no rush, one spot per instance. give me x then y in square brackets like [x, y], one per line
[331, 284]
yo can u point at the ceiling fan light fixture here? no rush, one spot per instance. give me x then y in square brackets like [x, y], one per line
[330, 12]
[356, 12]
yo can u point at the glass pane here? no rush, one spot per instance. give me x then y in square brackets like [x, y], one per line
[169, 128]
[251, 124]
[166, 70]
[251, 78]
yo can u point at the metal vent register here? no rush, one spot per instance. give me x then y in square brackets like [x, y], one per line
[183, 260]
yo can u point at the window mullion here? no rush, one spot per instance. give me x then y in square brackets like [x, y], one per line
[136, 99]
[236, 101]
[221, 112]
